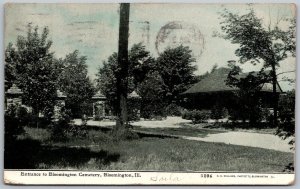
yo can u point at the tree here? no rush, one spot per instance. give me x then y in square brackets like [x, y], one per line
[176, 70]
[287, 116]
[106, 80]
[151, 90]
[247, 104]
[122, 70]
[75, 83]
[149, 77]
[260, 44]
[140, 63]
[29, 64]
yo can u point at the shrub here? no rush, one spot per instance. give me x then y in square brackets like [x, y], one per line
[173, 110]
[134, 106]
[23, 115]
[151, 108]
[197, 116]
[80, 131]
[98, 118]
[254, 115]
[59, 127]
[13, 123]
[286, 127]
[186, 114]
[218, 112]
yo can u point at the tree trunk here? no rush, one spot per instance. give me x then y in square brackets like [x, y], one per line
[122, 73]
[275, 99]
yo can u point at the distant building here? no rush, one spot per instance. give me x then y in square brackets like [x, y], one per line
[213, 89]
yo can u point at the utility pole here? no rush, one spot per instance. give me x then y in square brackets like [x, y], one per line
[122, 72]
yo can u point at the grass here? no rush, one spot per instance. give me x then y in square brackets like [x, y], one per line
[262, 127]
[181, 131]
[97, 151]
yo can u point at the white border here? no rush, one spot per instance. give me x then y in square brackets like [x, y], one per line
[132, 1]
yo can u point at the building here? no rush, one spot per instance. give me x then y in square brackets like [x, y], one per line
[213, 90]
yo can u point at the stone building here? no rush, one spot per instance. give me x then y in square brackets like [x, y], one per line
[13, 96]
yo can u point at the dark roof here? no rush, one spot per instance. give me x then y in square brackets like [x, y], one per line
[215, 82]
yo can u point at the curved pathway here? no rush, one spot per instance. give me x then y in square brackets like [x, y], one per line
[252, 139]
[259, 140]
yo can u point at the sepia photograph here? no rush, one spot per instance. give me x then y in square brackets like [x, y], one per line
[149, 94]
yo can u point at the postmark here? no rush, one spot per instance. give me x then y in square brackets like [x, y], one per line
[176, 33]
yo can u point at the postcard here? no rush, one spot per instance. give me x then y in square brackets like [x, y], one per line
[149, 94]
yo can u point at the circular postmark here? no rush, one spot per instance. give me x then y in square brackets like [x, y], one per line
[177, 33]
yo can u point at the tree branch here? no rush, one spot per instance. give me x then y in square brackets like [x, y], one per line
[285, 72]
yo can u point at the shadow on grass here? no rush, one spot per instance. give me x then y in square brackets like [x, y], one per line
[237, 125]
[30, 154]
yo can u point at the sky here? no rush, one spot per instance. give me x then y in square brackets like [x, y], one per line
[93, 30]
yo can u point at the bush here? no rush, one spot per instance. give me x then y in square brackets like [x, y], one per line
[186, 114]
[152, 108]
[23, 115]
[218, 112]
[197, 116]
[13, 123]
[98, 118]
[59, 127]
[255, 115]
[173, 110]
[134, 106]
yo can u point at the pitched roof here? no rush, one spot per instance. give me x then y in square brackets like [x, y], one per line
[99, 96]
[134, 95]
[215, 82]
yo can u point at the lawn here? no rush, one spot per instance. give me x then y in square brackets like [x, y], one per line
[97, 151]
[181, 131]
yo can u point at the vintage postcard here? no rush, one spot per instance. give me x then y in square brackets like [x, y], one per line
[149, 94]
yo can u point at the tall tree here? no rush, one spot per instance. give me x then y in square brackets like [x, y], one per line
[30, 65]
[122, 69]
[176, 70]
[140, 63]
[259, 43]
[74, 81]
[149, 77]
[151, 90]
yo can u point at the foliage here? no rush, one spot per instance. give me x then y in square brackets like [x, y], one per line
[173, 110]
[59, 127]
[140, 63]
[29, 64]
[151, 91]
[286, 128]
[77, 131]
[75, 83]
[176, 70]
[287, 107]
[86, 108]
[157, 82]
[197, 116]
[257, 43]
[247, 104]
[23, 115]
[107, 80]
[13, 123]
[260, 44]
[218, 112]
[134, 107]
